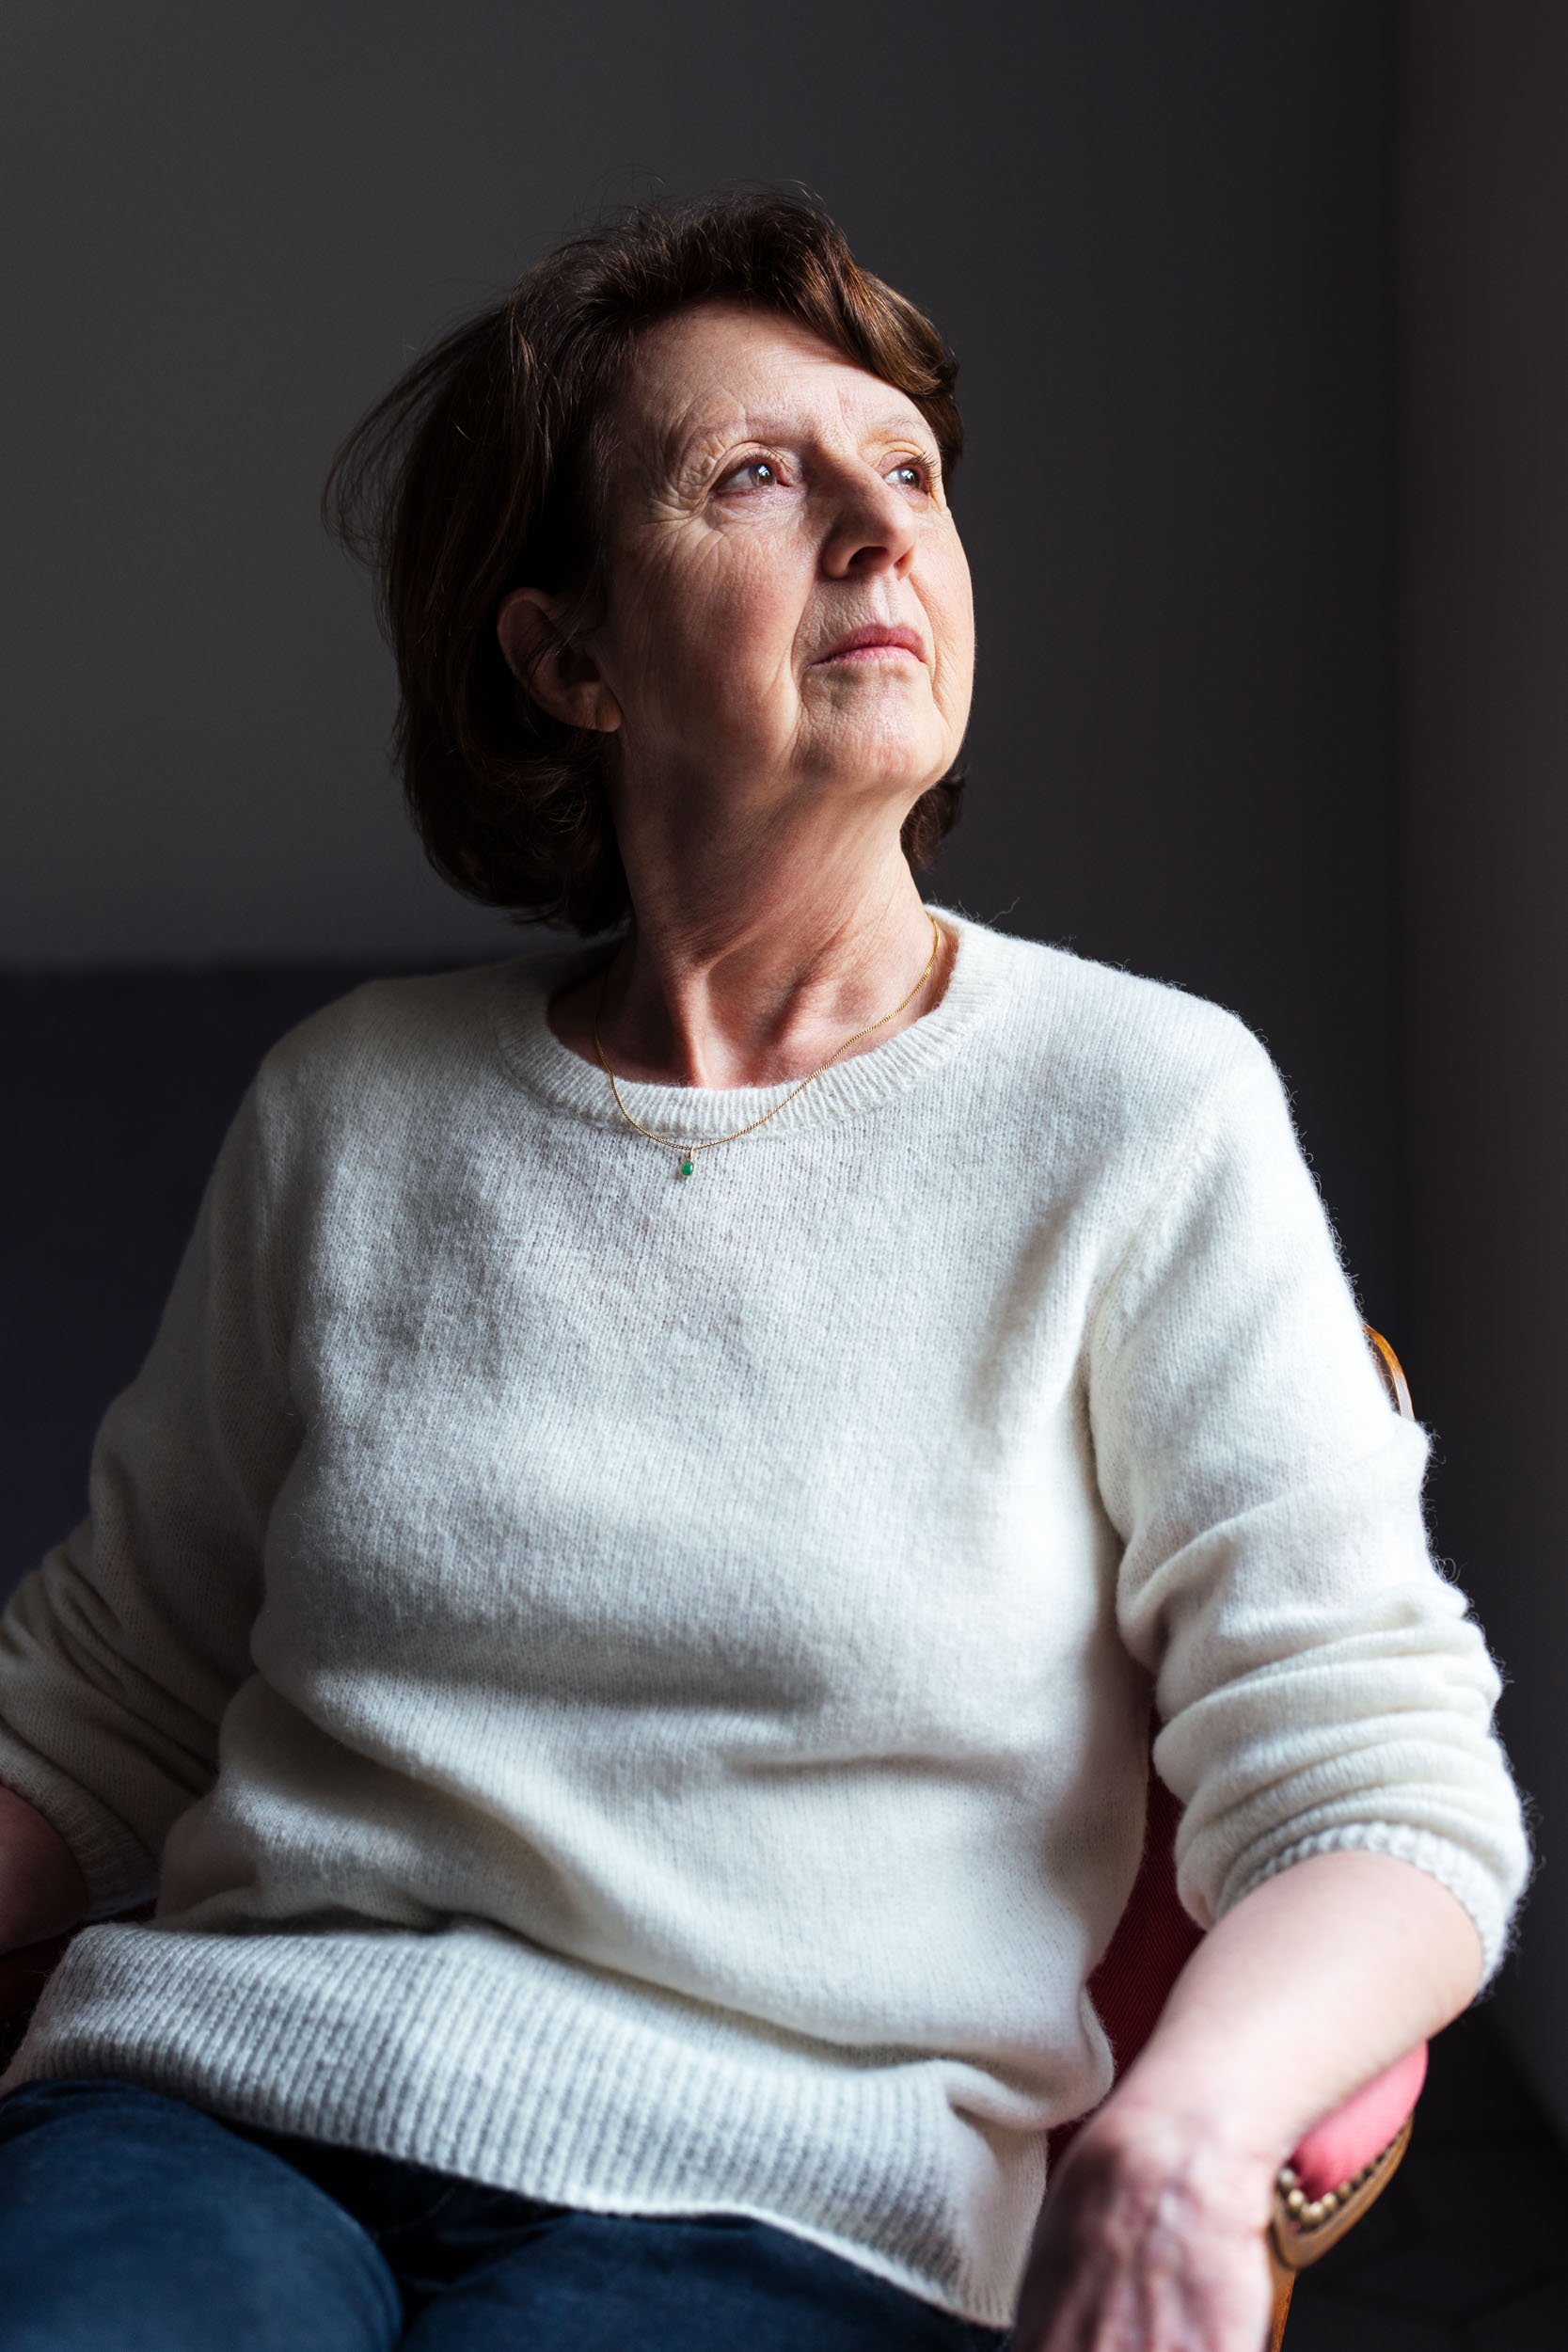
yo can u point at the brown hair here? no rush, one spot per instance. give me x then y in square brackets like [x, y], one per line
[479, 473]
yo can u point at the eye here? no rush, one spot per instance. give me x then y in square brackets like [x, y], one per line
[910, 474]
[757, 473]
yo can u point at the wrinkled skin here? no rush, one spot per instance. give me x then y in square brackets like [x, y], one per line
[1150, 2237]
[768, 501]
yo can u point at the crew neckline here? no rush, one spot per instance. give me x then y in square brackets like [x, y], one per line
[561, 1077]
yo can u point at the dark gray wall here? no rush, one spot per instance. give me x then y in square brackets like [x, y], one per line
[1485, 278]
[1158, 235]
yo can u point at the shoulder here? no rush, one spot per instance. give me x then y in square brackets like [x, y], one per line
[1128, 1061]
[394, 1019]
[393, 1053]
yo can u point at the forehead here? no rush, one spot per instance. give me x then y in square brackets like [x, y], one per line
[723, 367]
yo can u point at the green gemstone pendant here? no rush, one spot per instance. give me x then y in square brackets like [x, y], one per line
[685, 1167]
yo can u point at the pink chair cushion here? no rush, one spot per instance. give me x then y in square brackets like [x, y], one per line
[1337, 2149]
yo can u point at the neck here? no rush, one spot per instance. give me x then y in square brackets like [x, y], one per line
[750, 959]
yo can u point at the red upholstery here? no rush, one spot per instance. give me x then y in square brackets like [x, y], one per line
[1153, 1942]
[1154, 1939]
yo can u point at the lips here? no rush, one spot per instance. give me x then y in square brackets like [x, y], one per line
[876, 639]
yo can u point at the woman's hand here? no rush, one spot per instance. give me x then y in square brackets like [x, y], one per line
[1151, 2241]
[43, 1893]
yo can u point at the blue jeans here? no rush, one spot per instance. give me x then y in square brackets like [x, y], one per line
[130, 2222]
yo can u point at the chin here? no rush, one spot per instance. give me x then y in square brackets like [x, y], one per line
[881, 750]
[899, 770]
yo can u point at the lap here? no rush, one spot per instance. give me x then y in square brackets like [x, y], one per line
[130, 2220]
[606, 2282]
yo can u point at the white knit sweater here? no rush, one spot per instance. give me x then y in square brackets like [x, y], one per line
[635, 1689]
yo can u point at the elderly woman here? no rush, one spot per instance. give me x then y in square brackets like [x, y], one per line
[622, 1615]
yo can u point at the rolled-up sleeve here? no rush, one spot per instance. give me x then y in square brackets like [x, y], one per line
[1319, 1685]
[119, 1653]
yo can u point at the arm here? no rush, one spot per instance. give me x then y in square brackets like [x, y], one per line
[119, 1655]
[1150, 2240]
[1320, 1686]
[1350, 1836]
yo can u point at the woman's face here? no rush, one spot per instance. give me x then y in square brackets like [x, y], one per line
[787, 609]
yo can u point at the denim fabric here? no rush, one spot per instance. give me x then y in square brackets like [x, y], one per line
[131, 2223]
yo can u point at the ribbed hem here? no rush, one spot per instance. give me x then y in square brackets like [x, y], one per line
[484, 2058]
[535, 1055]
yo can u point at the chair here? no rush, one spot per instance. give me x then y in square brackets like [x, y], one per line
[1341, 2167]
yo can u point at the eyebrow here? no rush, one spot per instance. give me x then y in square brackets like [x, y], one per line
[892, 427]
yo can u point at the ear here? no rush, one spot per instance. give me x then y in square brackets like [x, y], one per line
[559, 672]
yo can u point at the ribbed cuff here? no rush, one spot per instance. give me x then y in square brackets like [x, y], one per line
[115, 1865]
[1469, 1881]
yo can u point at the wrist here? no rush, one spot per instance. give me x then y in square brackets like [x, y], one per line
[1216, 2149]
[1154, 2221]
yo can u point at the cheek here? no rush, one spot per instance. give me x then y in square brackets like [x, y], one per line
[713, 625]
[950, 607]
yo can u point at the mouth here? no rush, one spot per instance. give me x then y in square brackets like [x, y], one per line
[876, 642]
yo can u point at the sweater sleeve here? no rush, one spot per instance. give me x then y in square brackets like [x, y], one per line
[119, 1655]
[1319, 1685]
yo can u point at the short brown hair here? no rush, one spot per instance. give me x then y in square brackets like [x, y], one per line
[477, 474]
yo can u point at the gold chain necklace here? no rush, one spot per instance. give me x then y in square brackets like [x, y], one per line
[689, 1151]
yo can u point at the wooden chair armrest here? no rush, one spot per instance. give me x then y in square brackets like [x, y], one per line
[1300, 2233]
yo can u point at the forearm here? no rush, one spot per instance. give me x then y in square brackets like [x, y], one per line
[1322, 1977]
[42, 1890]
[1150, 2237]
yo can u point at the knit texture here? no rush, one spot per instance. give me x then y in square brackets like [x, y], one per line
[635, 1689]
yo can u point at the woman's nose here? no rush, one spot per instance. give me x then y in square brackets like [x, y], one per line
[872, 529]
